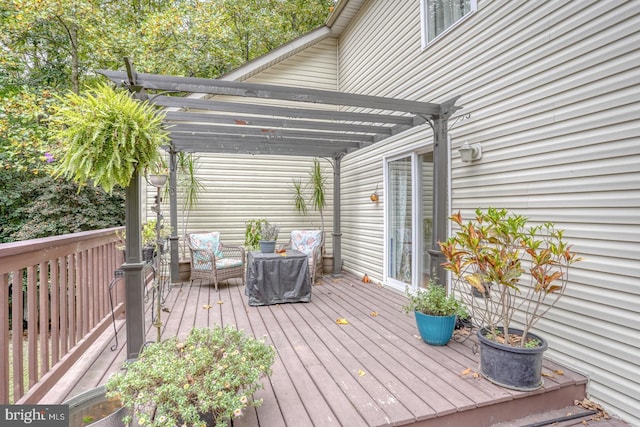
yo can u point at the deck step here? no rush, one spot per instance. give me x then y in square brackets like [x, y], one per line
[569, 416]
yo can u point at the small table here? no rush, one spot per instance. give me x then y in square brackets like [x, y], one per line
[276, 278]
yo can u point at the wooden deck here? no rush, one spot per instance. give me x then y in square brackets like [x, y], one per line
[373, 371]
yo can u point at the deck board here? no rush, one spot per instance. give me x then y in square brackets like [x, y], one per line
[373, 371]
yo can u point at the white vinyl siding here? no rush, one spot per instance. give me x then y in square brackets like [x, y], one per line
[552, 93]
[241, 187]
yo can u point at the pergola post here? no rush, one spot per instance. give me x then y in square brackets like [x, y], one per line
[337, 232]
[133, 269]
[441, 153]
[173, 213]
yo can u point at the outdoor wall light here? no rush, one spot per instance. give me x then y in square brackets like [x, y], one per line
[470, 152]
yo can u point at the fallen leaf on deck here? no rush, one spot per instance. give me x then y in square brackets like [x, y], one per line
[559, 372]
[206, 306]
[471, 372]
[548, 375]
[374, 313]
[342, 321]
[220, 302]
[361, 373]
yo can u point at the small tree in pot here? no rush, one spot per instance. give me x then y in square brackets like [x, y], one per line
[506, 271]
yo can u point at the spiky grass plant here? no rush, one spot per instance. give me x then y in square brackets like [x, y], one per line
[105, 136]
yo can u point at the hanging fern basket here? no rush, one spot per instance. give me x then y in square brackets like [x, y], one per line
[105, 136]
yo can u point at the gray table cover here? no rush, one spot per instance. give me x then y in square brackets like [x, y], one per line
[275, 279]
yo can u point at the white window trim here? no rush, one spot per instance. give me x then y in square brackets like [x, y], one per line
[423, 21]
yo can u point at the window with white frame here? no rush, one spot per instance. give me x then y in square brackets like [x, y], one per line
[440, 15]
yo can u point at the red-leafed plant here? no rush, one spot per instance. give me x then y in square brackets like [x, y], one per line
[505, 270]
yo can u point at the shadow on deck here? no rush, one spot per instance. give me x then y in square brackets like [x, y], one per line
[374, 371]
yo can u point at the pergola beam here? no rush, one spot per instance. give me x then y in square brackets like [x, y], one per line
[283, 93]
[268, 133]
[279, 150]
[287, 112]
[247, 120]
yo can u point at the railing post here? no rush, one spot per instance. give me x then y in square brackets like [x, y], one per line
[133, 269]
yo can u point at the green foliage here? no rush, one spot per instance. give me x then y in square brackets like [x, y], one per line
[316, 185]
[503, 266]
[253, 233]
[57, 41]
[215, 371]
[23, 131]
[106, 136]
[41, 206]
[149, 237]
[434, 301]
[298, 197]
[259, 229]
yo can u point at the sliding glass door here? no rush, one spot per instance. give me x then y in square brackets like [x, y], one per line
[409, 195]
[399, 231]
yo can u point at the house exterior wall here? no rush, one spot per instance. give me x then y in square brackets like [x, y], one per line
[240, 187]
[551, 91]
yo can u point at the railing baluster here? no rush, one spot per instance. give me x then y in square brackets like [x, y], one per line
[55, 311]
[32, 325]
[71, 300]
[64, 312]
[4, 339]
[17, 316]
[43, 317]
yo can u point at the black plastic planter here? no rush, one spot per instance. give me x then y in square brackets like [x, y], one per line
[516, 368]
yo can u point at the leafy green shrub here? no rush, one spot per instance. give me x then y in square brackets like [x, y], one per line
[213, 373]
[434, 301]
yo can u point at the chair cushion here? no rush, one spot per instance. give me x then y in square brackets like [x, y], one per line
[221, 264]
[207, 241]
[228, 263]
[306, 241]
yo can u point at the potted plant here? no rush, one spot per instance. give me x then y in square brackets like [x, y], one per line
[509, 273]
[207, 379]
[260, 233]
[150, 242]
[268, 237]
[435, 312]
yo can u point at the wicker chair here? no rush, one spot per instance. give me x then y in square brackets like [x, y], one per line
[311, 243]
[213, 261]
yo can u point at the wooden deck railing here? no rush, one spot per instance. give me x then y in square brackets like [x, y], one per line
[54, 303]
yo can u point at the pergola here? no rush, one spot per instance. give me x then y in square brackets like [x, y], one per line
[273, 120]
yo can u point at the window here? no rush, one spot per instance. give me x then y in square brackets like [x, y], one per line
[440, 15]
